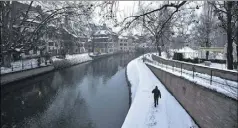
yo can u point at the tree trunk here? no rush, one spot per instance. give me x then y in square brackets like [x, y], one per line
[207, 54]
[207, 45]
[229, 37]
[157, 45]
[93, 46]
[7, 60]
[159, 50]
[237, 36]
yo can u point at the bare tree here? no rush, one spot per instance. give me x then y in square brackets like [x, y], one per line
[226, 11]
[16, 34]
[133, 20]
[153, 23]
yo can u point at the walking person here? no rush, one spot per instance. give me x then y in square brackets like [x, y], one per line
[157, 95]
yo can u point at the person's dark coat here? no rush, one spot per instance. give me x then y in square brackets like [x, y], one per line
[156, 92]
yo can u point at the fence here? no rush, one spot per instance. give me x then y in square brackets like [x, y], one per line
[23, 65]
[224, 74]
[230, 86]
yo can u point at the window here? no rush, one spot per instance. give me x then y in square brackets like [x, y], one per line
[125, 44]
[121, 44]
[51, 44]
[34, 51]
[27, 52]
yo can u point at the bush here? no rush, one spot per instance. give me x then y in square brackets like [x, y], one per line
[178, 56]
[196, 60]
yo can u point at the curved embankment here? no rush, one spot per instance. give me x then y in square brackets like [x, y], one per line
[19, 75]
[71, 60]
[142, 112]
[57, 64]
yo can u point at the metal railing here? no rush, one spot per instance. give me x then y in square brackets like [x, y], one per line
[192, 74]
[23, 65]
[225, 74]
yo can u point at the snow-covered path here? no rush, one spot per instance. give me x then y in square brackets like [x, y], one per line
[142, 113]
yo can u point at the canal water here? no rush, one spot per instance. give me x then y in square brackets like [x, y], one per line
[89, 95]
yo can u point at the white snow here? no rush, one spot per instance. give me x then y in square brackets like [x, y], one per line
[219, 56]
[82, 57]
[18, 49]
[102, 32]
[215, 65]
[187, 52]
[21, 65]
[163, 54]
[226, 87]
[142, 113]
[71, 60]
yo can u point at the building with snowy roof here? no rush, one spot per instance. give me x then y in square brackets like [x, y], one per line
[186, 51]
[126, 44]
[104, 40]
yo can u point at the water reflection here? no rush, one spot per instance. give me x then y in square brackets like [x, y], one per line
[89, 95]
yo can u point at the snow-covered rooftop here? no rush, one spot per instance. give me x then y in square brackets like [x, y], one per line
[102, 32]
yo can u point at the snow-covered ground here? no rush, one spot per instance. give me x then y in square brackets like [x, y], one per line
[142, 113]
[70, 60]
[94, 54]
[216, 65]
[76, 57]
[21, 65]
[227, 87]
[32, 63]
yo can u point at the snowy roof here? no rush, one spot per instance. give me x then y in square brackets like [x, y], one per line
[51, 25]
[101, 37]
[102, 32]
[33, 20]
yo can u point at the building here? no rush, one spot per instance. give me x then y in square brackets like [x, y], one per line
[104, 40]
[126, 44]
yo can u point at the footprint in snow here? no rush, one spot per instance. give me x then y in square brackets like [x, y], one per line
[152, 117]
[152, 124]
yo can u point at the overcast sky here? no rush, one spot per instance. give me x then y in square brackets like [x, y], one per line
[128, 8]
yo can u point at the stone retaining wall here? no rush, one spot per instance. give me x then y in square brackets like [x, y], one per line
[15, 76]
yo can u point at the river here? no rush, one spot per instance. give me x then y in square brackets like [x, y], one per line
[90, 95]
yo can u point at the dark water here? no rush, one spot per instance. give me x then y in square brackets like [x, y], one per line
[90, 95]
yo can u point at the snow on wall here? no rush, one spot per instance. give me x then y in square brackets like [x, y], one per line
[70, 60]
[11, 77]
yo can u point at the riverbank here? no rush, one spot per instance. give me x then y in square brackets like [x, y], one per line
[142, 109]
[31, 68]
[24, 74]
[71, 60]
[85, 95]
[34, 71]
